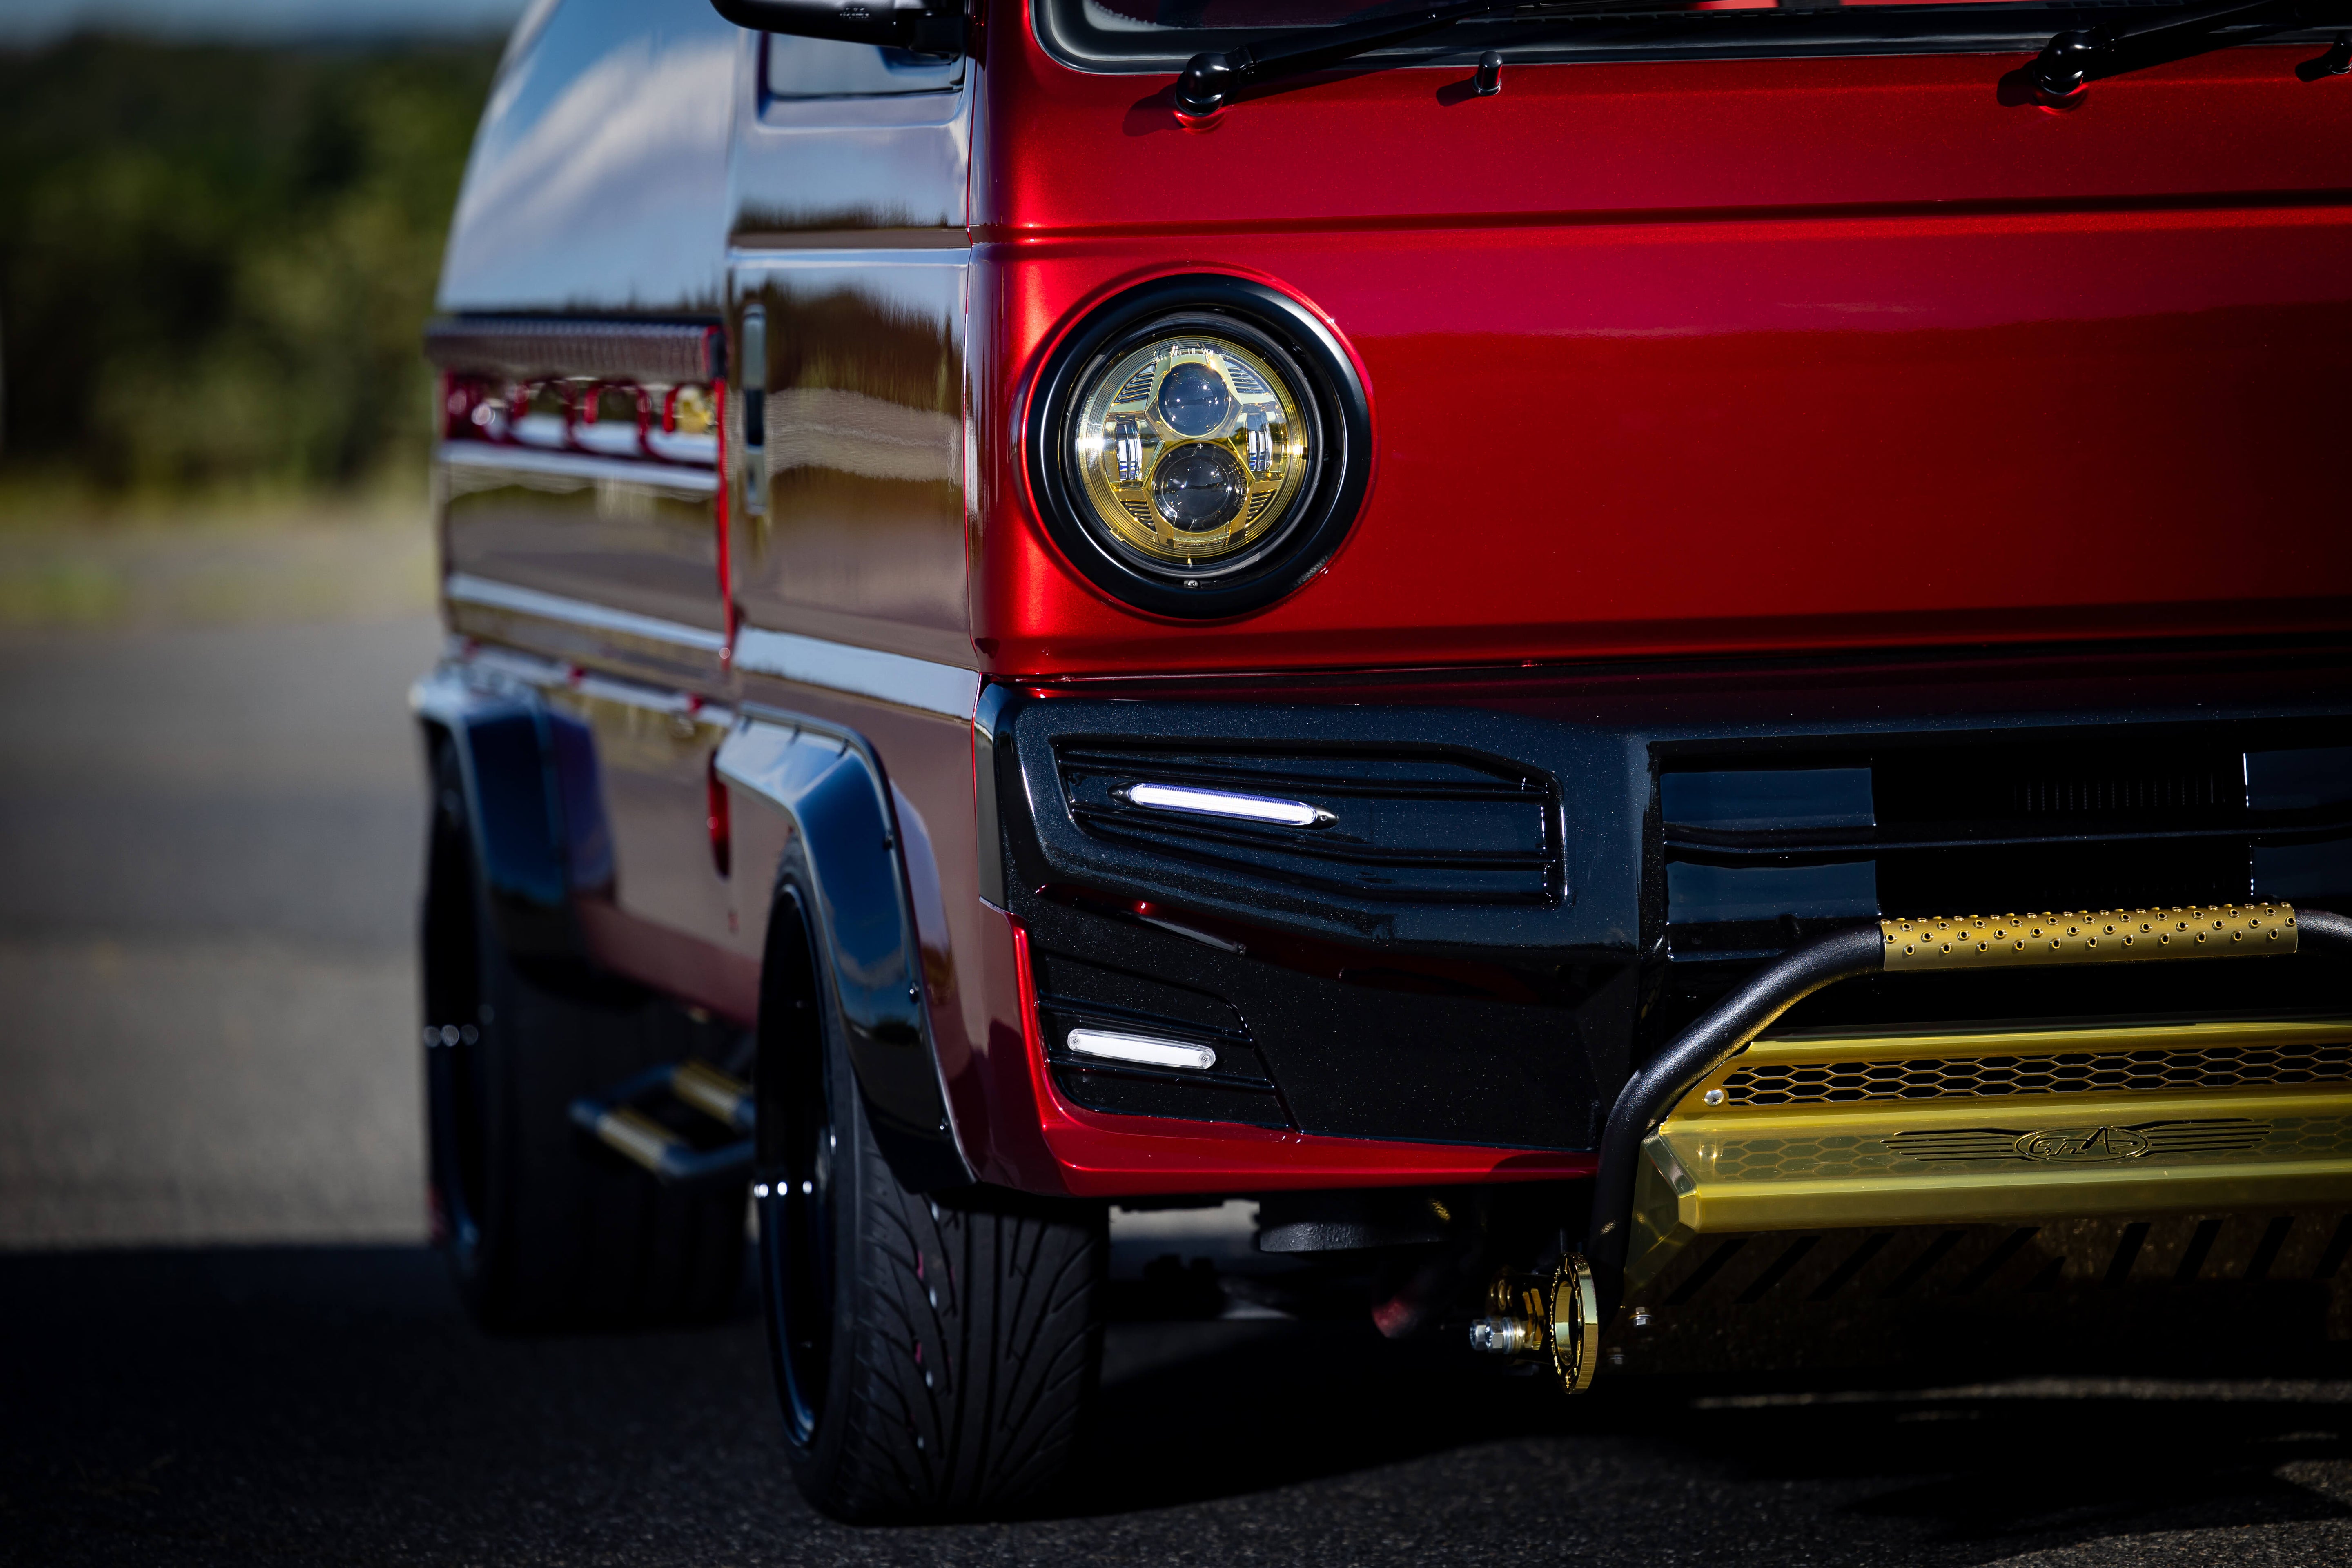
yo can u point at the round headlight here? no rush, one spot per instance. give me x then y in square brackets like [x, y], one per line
[1199, 446]
[1191, 447]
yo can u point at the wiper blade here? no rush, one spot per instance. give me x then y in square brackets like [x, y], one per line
[2073, 59]
[1211, 78]
[2070, 59]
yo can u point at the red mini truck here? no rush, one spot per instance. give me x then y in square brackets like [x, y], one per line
[1621, 662]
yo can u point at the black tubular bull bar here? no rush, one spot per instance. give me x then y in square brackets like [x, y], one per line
[1971, 943]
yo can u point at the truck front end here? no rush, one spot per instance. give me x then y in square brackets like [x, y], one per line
[1491, 570]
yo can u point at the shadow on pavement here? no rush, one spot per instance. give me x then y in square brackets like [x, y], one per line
[329, 1405]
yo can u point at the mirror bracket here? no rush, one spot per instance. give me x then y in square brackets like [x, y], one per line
[924, 27]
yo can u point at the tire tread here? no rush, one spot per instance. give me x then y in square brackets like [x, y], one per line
[1010, 1341]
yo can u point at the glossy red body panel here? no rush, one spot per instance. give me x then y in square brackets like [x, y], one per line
[1031, 1138]
[684, 965]
[927, 761]
[1698, 358]
[1712, 357]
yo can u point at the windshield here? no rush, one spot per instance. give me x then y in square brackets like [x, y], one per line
[1160, 35]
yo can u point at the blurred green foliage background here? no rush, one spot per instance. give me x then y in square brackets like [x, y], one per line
[215, 262]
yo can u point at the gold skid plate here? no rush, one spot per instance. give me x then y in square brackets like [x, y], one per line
[1925, 1262]
[1977, 1296]
[1965, 1129]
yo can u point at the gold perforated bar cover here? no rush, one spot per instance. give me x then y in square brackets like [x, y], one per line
[2089, 936]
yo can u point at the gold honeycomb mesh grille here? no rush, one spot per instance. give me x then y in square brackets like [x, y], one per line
[2211, 1066]
[1842, 1156]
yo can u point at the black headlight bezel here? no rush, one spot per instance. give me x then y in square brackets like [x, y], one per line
[1298, 344]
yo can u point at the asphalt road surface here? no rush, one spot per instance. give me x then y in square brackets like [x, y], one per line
[209, 856]
[222, 1342]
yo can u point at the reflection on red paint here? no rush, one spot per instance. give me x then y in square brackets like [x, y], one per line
[1724, 356]
[719, 819]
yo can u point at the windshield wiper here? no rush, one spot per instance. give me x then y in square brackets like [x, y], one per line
[1211, 78]
[2070, 59]
[2080, 56]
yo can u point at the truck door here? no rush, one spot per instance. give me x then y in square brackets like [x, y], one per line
[583, 386]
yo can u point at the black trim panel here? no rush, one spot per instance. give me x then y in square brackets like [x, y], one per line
[845, 847]
[1390, 1012]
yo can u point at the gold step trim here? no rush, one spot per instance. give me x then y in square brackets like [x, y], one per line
[703, 1087]
[638, 1136]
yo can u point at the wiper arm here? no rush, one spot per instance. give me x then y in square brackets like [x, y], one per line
[2083, 55]
[1211, 78]
[2070, 58]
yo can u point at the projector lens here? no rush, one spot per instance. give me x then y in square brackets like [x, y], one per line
[1189, 449]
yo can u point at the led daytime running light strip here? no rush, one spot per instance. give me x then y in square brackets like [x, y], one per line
[1223, 803]
[1140, 1049]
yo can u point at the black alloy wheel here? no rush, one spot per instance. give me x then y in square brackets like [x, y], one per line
[544, 1228]
[792, 1183]
[455, 1010]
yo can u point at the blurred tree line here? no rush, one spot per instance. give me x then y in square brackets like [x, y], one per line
[215, 262]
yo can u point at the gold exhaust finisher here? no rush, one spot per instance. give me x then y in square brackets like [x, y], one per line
[2089, 936]
[1558, 1320]
[1575, 1324]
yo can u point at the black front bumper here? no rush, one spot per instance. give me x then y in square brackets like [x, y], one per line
[1521, 886]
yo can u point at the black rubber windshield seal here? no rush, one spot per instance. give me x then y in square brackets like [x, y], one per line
[1806, 31]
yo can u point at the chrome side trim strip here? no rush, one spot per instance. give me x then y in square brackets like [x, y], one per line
[462, 589]
[541, 346]
[944, 689]
[508, 669]
[762, 242]
[650, 700]
[784, 259]
[480, 457]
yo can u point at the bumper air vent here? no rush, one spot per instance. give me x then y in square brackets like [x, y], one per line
[1755, 847]
[1421, 827]
[1401, 826]
[1081, 1004]
[2036, 791]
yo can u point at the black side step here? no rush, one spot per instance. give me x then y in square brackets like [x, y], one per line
[615, 1121]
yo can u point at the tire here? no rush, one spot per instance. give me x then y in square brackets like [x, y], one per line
[544, 1228]
[933, 1356]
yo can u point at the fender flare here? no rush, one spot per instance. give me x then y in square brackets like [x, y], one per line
[829, 787]
[534, 806]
